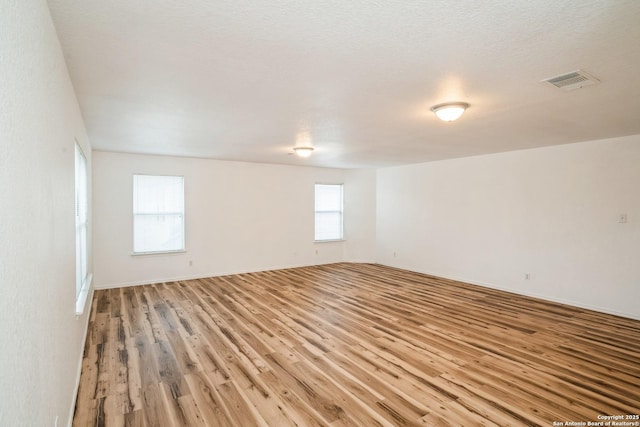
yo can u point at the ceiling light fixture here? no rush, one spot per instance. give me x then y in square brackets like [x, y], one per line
[303, 151]
[450, 111]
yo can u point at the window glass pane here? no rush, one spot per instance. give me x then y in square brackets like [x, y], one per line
[328, 212]
[157, 233]
[158, 213]
[79, 262]
[328, 197]
[81, 215]
[158, 194]
[328, 225]
[82, 236]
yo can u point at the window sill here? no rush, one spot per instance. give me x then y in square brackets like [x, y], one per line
[329, 241]
[181, 251]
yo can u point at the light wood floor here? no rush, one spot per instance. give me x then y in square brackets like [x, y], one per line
[350, 345]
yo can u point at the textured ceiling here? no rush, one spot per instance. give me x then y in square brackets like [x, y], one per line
[247, 80]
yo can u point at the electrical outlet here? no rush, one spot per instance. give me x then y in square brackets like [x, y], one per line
[527, 276]
[394, 255]
[622, 218]
[190, 263]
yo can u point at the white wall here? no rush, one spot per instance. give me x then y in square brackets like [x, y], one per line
[240, 217]
[551, 212]
[360, 215]
[39, 119]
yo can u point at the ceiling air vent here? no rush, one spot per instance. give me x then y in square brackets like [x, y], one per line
[572, 81]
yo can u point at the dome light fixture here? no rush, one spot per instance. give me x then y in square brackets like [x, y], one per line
[303, 151]
[449, 111]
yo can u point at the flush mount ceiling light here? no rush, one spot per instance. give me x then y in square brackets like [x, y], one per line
[303, 151]
[450, 111]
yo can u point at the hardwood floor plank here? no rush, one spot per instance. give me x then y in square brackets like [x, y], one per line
[135, 419]
[148, 364]
[190, 412]
[155, 411]
[349, 345]
[300, 410]
[208, 400]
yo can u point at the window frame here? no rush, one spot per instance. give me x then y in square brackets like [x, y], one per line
[341, 212]
[134, 214]
[81, 214]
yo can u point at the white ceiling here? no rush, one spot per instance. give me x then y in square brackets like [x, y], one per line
[247, 80]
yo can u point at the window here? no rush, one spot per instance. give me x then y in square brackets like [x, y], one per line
[82, 219]
[328, 212]
[158, 214]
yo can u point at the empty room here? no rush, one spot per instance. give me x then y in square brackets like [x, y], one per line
[302, 213]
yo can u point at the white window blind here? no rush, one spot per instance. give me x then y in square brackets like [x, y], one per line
[81, 214]
[329, 212]
[158, 213]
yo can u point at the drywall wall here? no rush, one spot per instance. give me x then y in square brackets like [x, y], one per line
[360, 217]
[552, 213]
[240, 217]
[39, 119]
